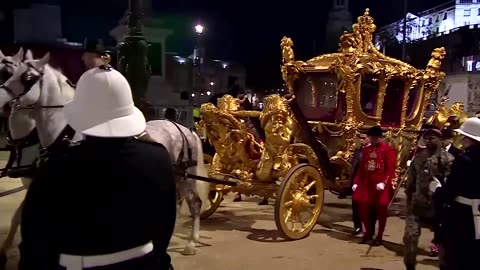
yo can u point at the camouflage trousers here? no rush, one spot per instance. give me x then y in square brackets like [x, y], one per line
[413, 229]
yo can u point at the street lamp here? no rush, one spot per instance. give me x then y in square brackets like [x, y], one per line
[132, 55]
[199, 29]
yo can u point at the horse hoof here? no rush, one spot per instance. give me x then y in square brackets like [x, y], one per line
[187, 251]
[3, 262]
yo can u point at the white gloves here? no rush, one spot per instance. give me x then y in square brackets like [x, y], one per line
[435, 184]
[354, 187]
[408, 163]
[380, 186]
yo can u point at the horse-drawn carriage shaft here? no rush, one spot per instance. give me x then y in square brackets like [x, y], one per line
[311, 134]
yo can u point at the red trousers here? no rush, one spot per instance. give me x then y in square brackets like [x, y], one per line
[381, 214]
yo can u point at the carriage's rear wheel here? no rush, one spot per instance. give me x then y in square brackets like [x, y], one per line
[215, 196]
[299, 201]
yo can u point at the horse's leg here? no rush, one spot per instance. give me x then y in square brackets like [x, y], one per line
[194, 204]
[7, 244]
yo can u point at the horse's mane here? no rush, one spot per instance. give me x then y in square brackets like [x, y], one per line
[62, 82]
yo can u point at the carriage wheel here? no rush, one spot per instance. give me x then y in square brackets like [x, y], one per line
[299, 201]
[215, 196]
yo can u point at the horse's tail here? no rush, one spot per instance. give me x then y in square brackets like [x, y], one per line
[203, 188]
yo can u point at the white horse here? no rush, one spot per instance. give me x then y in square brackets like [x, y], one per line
[34, 86]
[8, 65]
[177, 139]
[24, 126]
[50, 88]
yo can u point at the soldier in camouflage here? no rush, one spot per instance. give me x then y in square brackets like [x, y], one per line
[433, 163]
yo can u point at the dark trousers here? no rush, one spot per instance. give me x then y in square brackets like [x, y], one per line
[461, 248]
[357, 220]
[380, 213]
[437, 221]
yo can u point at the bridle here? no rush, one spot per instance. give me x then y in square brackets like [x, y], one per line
[28, 79]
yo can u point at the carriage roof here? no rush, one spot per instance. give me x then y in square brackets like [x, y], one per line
[359, 85]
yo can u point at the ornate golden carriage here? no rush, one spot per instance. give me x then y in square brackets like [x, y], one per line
[310, 134]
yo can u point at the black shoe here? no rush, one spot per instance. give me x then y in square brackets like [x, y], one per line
[376, 243]
[263, 202]
[238, 198]
[410, 267]
[3, 262]
[357, 231]
[365, 240]
[342, 196]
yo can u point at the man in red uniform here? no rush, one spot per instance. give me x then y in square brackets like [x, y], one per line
[373, 184]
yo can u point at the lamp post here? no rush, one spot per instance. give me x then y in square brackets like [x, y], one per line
[198, 55]
[404, 42]
[132, 55]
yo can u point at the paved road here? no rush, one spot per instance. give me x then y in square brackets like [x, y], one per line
[243, 236]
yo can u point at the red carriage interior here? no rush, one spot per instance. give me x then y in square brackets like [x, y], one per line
[319, 99]
[325, 103]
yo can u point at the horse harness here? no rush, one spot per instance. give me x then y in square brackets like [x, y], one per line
[180, 166]
[64, 139]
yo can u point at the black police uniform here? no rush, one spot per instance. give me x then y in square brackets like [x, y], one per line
[104, 196]
[460, 193]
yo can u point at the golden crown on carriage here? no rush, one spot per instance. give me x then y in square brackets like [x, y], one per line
[309, 135]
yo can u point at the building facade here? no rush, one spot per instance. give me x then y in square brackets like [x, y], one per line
[454, 25]
[434, 22]
[182, 82]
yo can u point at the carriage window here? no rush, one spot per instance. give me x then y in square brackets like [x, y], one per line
[413, 96]
[369, 94]
[392, 104]
[317, 95]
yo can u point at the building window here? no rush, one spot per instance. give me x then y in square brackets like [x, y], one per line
[430, 20]
[479, 12]
[466, 1]
[469, 65]
[437, 30]
[466, 12]
[445, 16]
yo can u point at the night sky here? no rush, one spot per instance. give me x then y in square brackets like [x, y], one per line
[247, 31]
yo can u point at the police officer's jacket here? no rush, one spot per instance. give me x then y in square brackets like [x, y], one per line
[102, 196]
[463, 180]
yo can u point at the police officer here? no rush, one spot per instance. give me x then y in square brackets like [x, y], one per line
[432, 163]
[461, 194]
[447, 137]
[94, 54]
[108, 203]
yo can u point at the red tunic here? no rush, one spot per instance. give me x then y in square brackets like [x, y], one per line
[377, 165]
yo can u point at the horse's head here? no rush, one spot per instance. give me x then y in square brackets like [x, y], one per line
[8, 65]
[21, 87]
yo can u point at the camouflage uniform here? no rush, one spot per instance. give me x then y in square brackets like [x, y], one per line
[419, 197]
